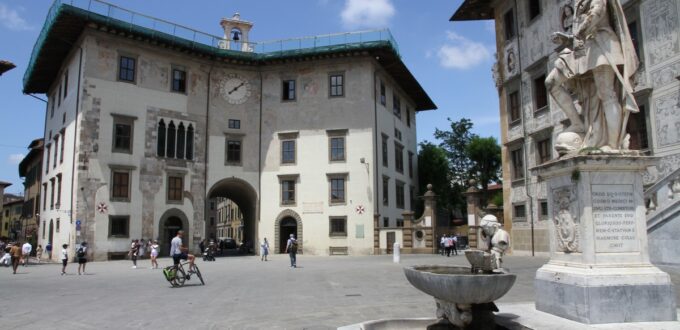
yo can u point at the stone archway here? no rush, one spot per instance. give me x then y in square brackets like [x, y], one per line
[282, 221]
[170, 222]
[245, 196]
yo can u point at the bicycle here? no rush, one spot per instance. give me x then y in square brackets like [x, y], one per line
[176, 274]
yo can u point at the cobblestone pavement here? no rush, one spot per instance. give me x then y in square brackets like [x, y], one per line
[240, 293]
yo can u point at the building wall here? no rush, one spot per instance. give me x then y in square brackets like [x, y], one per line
[263, 117]
[530, 54]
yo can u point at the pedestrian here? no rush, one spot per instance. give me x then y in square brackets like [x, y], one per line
[447, 245]
[38, 252]
[82, 257]
[142, 249]
[48, 248]
[264, 250]
[154, 254]
[64, 258]
[134, 249]
[201, 245]
[26, 252]
[291, 249]
[15, 252]
[454, 245]
[442, 244]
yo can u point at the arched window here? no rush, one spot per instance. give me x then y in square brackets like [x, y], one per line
[190, 142]
[171, 140]
[160, 150]
[181, 138]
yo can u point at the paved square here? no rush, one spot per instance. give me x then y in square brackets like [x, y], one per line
[240, 293]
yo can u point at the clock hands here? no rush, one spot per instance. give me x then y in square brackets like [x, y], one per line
[236, 88]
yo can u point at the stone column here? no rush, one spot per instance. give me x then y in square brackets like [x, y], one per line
[376, 233]
[472, 196]
[599, 269]
[407, 247]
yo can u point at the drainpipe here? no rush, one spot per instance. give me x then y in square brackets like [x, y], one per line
[259, 168]
[375, 146]
[207, 144]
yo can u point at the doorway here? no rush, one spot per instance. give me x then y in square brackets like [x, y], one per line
[170, 222]
[232, 214]
[288, 226]
[391, 238]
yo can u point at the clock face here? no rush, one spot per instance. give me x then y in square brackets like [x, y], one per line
[235, 89]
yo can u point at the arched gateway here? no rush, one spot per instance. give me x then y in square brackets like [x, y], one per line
[245, 196]
[170, 222]
[288, 222]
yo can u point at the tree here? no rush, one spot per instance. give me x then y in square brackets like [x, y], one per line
[485, 154]
[433, 167]
[455, 143]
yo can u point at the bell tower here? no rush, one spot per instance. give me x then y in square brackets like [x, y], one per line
[236, 33]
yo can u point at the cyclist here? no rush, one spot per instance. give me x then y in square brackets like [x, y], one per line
[179, 251]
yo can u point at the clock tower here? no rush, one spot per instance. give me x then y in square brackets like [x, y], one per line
[236, 33]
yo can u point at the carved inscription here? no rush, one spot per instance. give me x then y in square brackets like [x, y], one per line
[668, 119]
[614, 218]
[661, 25]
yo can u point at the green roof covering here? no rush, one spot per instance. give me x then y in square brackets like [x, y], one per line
[67, 19]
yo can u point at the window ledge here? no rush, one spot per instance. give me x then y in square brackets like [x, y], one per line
[541, 111]
[340, 235]
[337, 203]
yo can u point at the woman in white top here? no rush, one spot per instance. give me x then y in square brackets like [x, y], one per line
[264, 250]
[154, 253]
[64, 258]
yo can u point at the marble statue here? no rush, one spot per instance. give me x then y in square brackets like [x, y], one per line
[498, 239]
[594, 74]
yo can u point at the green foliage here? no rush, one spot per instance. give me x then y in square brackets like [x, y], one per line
[485, 154]
[433, 167]
[455, 142]
[497, 198]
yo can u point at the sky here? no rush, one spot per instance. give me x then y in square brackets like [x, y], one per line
[452, 61]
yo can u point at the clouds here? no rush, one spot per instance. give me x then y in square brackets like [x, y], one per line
[11, 19]
[15, 159]
[367, 13]
[462, 53]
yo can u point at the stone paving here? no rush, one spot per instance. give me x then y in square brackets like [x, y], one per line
[240, 293]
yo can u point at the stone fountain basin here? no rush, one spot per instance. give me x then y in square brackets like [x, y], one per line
[458, 285]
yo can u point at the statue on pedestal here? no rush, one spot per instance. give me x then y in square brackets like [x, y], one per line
[498, 239]
[596, 64]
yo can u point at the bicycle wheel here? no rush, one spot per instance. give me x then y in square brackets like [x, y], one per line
[198, 273]
[180, 277]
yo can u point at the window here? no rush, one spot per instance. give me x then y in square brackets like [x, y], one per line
[288, 152]
[234, 123]
[386, 190]
[519, 212]
[337, 85]
[56, 150]
[412, 197]
[386, 221]
[400, 222]
[52, 105]
[65, 84]
[288, 92]
[517, 157]
[47, 159]
[509, 24]
[543, 151]
[534, 8]
[513, 105]
[637, 128]
[337, 188]
[126, 69]
[540, 93]
[58, 204]
[410, 164]
[543, 212]
[120, 187]
[179, 81]
[52, 194]
[400, 195]
[384, 150]
[336, 145]
[119, 226]
[58, 225]
[288, 190]
[233, 152]
[175, 188]
[383, 96]
[397, 134]
[396, 106]
[59, 97]
[408, 117]
[338, 226]
[63, 142]
[43, 229]
[44, 196]
[122, 133]
[399, 157]
[175, 140]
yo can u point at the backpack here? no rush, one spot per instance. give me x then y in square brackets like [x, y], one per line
[80, 253]
[293, 246]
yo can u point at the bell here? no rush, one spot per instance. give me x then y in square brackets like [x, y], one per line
[237, 36]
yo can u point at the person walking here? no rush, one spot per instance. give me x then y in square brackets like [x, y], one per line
[134, 250]
[264, 250]
[38, 252]
[26, 252]
[48, 248]
[442, 245]
[81, 254]
[447, 245]
[154, 253]
[64, 258]
[454, 245]
[291, 249]
[15, 252]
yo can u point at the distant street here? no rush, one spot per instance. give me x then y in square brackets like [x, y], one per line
[240, 293]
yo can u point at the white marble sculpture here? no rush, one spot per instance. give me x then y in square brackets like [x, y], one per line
[498, 238]
[596, 66]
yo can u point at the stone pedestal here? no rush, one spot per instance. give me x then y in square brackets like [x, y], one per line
[599, 269]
